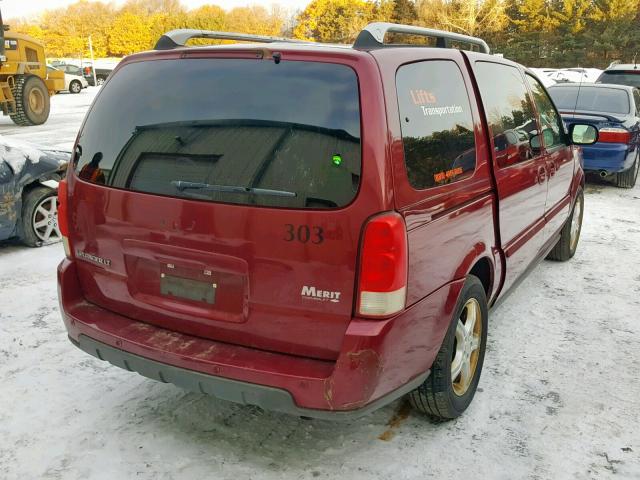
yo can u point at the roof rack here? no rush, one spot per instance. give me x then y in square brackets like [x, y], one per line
[372, 37]
[179, 38]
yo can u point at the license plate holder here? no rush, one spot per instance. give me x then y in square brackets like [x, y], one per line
[187, 289]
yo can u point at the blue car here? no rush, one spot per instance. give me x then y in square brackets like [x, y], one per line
[29, 178]
[615, 111]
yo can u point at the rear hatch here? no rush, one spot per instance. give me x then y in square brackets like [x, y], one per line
[217, 197]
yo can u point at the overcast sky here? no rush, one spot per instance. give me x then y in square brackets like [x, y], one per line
[27, 8]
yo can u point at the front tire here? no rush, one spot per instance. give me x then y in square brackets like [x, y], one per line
[455, 373]
[570, 233]
[40, 217]
[32, 101]
[627, 179]
[75, 87]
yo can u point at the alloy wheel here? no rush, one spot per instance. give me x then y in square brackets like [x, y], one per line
[466, 347]
[576, 224]
[45, 220]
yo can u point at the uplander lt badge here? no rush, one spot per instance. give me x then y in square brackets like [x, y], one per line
[323, 295]
[92, 258]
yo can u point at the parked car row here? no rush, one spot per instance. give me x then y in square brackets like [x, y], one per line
[612, 105]
[86, 70]
[73, 82]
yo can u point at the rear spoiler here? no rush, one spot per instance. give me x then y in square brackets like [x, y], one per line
[577, 114]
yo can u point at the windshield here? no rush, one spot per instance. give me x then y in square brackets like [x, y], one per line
[621, 78]
[228, 130]
[591, 99]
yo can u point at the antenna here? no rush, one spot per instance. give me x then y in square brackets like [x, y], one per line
[635, 64]
[575, 108]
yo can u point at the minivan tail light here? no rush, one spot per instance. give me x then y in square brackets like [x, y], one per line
[63, 215]
[382, 283]
[614, 135]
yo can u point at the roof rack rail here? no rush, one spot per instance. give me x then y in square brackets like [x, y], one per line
[372, 37]
[179, 38]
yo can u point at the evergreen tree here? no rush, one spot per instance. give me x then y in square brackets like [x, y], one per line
[404, 11]
[550, 33]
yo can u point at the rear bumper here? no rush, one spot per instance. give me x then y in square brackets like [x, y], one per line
[610, 157]
[268, 398]
[379, 360]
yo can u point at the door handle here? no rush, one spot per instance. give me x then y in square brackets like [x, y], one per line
[542, 174]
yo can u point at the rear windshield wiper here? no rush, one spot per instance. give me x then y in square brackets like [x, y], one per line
[182, 186]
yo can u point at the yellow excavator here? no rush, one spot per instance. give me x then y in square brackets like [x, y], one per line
[25, 87]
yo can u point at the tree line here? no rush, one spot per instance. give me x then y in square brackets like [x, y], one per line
[549, 33]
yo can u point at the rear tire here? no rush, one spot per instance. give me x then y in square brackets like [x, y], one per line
[441, 396]
[570, 233]
[627, 179]
[40, 217]
[32, 101]
[75, 87]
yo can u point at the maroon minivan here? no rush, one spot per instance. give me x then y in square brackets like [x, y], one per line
[312, 229]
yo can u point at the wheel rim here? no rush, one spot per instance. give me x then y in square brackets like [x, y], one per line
[75, 87]
[466, 347]
[36, 101]
[100, 81]
[576, 223]
[45, 220]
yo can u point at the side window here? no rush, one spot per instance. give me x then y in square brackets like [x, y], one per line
[550, 121]
[32, 55]
[636, 99]
[437, 126]
[509, 112]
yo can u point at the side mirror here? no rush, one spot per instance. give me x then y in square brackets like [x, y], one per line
[548, 136]
[534, 141]
[583, 134]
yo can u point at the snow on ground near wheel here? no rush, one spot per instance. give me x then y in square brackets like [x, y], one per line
[559, 396]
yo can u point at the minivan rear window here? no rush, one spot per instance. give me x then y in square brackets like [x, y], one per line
[620, 77]
[242, 131]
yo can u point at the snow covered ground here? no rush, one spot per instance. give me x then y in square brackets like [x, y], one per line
[559, 396]
[59, 133]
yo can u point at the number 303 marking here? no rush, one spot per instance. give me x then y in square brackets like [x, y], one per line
[304, 234]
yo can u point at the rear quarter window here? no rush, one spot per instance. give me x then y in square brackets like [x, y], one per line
[238, 131]
[436, 123]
